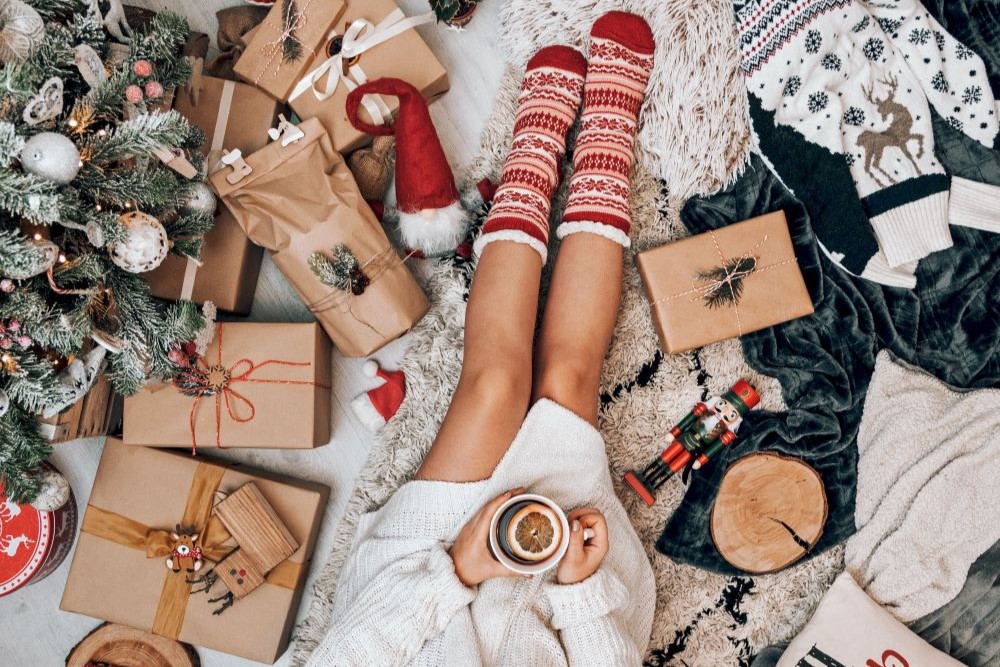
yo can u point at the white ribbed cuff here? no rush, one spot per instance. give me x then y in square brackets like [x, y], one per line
[878, 271]
[597, 595]
[607, 231]
[975, 205]
[914, 230]
[515, 235]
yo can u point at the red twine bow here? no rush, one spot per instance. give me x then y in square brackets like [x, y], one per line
[200, 379]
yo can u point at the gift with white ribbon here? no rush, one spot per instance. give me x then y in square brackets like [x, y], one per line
[343, 67]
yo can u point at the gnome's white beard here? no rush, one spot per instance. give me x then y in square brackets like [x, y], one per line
[436, 234]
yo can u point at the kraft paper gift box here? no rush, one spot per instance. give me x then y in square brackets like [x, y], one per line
[387, 45]
[232, 115]
[300, 199]
[257, 385]
[724, 283]
[119, 573]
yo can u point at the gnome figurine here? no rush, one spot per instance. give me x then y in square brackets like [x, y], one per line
[431, 217]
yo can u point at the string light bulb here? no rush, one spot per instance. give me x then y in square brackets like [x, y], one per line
[38, 237]
[72, 122]
[62, 258]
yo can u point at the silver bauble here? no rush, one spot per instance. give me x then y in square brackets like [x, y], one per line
[201, 199]
[145, 244]
[51, 155]
[54, 492]
[21, 30]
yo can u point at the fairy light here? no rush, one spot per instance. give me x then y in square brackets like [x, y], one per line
[98, 207]
[62, 258]
[73, 122]
[38, 237]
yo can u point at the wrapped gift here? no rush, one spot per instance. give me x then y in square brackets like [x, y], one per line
[99, 412]
[297, 198]
[372, 39]
[724, 283]
[146, 502]
[33, 542]
[257, 385]
[232, 115]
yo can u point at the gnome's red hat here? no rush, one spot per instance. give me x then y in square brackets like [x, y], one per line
[423, 176]
[432, 220]
[374, 408]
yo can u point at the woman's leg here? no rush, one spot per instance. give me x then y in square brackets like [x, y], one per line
[586, 285]
[494, 389]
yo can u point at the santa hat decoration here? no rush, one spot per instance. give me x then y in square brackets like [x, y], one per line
[431, 218]
[374, 408]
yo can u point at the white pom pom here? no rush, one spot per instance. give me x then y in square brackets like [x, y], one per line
[370, 368]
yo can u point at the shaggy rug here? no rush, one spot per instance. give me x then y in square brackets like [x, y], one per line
[694, 140]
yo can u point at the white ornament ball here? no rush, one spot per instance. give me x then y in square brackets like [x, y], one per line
[54, 492]
[4, 402]
[51, 155]
[145, 245]
[21, 30]
[201, 200]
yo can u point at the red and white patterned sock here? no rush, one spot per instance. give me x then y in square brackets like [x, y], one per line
[546, 108]
[621, 58]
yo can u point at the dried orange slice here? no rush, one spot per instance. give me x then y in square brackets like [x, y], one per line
[534, 533]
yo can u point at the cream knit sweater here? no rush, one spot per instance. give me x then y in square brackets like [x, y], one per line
[399, 602]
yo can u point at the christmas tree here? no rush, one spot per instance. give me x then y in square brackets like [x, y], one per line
[87, 203]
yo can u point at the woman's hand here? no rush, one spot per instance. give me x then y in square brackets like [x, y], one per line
[583, 558]
[471, 554]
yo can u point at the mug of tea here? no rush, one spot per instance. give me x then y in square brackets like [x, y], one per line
[529, 534]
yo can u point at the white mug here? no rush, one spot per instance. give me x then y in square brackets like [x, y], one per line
[541, 566]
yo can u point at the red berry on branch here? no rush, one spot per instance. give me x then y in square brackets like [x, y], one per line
[6, 285]
[175, 355]
[6, 343]
[154, 90]
[14, 325]
[133, 94]
[189, 348]
[25, 341]
[142, 68]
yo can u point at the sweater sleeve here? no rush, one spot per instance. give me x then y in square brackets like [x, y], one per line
[591, 620]
[387, 622]
[952, 76]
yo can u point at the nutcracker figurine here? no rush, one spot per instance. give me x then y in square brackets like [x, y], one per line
[702, 434]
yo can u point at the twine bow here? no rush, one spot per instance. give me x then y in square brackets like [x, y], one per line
[723, 284]
[294, 19]
[360, 36]
[200, 379]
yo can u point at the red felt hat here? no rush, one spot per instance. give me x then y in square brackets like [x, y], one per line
[377, 406]
[423, 176]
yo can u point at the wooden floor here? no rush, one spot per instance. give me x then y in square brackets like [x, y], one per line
[33, 632]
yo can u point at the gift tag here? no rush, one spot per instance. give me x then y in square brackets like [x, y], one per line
[286, 131]
[47, 104]
[240, 167]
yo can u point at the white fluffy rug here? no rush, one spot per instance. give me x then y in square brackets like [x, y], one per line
[694, 140]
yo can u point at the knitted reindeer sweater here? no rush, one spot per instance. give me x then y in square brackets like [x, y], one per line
[857, 80]
[399, 602]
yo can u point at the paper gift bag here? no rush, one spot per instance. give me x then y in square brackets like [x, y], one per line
[281, 48]
[119, 572]
[257, 385]
[724, 283]
[232, 115]
[376, 40]
[301, 199]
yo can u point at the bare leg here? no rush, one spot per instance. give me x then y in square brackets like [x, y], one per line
[494, 389]
[580, 315]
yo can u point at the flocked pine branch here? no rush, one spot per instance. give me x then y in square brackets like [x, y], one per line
[139, 136]
[10, 144]
[29, 196]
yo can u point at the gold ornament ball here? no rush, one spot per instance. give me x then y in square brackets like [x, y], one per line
[52, 156]
[145, 245]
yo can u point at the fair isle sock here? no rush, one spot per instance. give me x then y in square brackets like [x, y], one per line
[546, 108]
[621, 58]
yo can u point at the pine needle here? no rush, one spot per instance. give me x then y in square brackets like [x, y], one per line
[727, 293]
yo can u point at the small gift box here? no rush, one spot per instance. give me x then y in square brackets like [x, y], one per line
[145, 503]
[232, 115]
[257, 385]
[372, 39]
[297, 198]
[99, 412]
[724, 283]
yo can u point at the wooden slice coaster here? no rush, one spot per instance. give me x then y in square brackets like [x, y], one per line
[122, 646]
[770, 512]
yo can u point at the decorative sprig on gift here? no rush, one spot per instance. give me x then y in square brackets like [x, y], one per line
[723, 285]
[341, 270]
[291, 47]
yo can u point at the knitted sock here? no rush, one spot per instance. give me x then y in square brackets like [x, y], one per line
[547, 106]
[621, 58]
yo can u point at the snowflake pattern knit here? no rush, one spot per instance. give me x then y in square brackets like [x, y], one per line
[621, 59]
[859, 78]
[547, 106]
